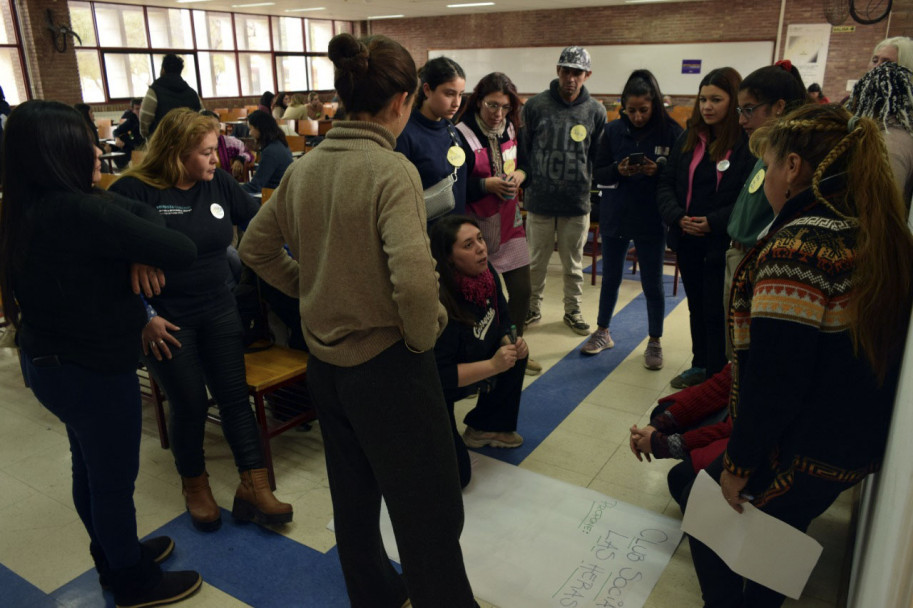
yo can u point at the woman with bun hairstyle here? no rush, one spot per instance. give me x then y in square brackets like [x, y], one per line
[819, 316]
[631, 156]
[695, 195]
[371, 329]
[430, 140]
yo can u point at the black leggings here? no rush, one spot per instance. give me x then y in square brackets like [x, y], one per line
[211, 355]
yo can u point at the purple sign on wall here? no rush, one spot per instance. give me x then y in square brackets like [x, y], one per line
[691, 66]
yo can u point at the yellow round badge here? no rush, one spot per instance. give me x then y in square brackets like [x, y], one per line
[756, 182]
[578, 133]
[510, 166]
[456, 156]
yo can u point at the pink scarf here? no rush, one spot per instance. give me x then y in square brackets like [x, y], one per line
[479, 290]
[699, 150]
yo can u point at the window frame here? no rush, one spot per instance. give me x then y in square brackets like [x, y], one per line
[17, 46]
[335, 25]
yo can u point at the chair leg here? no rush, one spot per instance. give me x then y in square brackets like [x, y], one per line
[260, 410]
[157, 401]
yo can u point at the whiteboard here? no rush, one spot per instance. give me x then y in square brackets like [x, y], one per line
[533, 68]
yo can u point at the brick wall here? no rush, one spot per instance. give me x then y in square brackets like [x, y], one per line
[52, 75]
[713, 20]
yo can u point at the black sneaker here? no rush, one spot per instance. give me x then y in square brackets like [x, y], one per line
[172, 587]
[158, 549]
[690, 377]
[532, 316]
[575, 321]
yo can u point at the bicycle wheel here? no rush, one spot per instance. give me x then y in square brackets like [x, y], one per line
[868, 12]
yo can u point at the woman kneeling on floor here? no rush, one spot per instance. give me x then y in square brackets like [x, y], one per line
[479, 350]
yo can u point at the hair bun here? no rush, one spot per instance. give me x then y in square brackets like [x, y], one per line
[348, 54]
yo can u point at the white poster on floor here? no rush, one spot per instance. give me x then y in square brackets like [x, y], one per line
[531, 541]
[806, 47]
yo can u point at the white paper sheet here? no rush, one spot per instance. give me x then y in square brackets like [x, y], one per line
[757, 546]
[531, 541]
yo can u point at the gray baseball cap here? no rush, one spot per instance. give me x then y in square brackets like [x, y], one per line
[576, 58]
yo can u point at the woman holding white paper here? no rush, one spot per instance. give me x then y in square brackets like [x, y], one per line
[810, 348]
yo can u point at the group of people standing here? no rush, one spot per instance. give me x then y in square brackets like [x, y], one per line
[433, 209]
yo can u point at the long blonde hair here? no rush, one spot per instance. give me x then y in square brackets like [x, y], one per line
[180, 131]
[833, 142]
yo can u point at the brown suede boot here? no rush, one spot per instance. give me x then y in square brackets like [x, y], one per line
[254, 501]
[204, 512]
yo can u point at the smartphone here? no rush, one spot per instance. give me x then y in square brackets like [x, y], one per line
[637, 158]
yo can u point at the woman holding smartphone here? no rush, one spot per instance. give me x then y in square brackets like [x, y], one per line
[696, 193]
[632, 152]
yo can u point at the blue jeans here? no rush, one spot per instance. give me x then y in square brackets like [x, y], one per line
[103, 418]
[211, 355]
[650, 254]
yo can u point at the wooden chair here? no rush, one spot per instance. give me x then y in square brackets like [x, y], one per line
[681, 114]
[277, 372]
[222, 113]
[295, 143]
[265, 193]
[308, 127]
[251, 109]
[612, 115]
[323, 126]
[105, 129]
[329, 109]
[106, 180]
[236, 114]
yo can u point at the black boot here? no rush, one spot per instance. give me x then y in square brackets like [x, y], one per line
[145, 585]
[158, 549]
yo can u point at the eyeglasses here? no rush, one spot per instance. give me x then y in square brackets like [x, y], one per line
[495, 106]
[747, 111]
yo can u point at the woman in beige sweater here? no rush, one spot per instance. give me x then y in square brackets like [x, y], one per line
[353, 217]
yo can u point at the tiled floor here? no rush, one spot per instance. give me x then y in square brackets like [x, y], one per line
[43, 542]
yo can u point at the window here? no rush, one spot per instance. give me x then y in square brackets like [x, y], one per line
[12, 73]
[225, 54]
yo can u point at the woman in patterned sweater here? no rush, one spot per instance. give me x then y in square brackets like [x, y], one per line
[817, 316]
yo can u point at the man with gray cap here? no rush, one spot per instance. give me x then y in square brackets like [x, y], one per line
[557, 148]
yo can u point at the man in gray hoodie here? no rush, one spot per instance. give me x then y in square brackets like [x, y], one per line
[558, 145]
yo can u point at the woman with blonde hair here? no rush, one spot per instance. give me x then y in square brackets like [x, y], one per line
[818, 319]
[193, 340]
[297, 108]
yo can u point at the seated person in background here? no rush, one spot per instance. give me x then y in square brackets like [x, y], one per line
[479, 350]
[815, 92]
[297, 108]
[89, 116]
[275, 157]
[315, 107]
[885, 94]
[280, 104]
[691, 425]
[233, 154]
[266, 101]
[127, 137]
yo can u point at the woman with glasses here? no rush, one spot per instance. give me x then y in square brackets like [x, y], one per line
[489, 128]
[695, 195]
[431, 141]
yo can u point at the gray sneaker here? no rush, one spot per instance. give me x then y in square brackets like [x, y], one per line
[653, 356]
[532, 316]
[599, 340]
[575, 321]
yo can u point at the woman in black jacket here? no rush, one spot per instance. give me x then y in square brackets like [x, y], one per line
[67, 254]
[696, 193]
[479, 350]
[632, 153]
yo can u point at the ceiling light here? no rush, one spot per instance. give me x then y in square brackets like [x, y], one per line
[468, 4]
[253, 5]
[375, 18]
[302, 10]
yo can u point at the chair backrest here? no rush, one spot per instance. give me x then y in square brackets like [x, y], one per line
[307, 126]
[222, 113]
[105, 130]
[237, 113]
[612, 115]
[106, 180]
[295, 142]
[265, 193]
[251, 109]
[323, 126]
[681, 114]
[329, 109]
